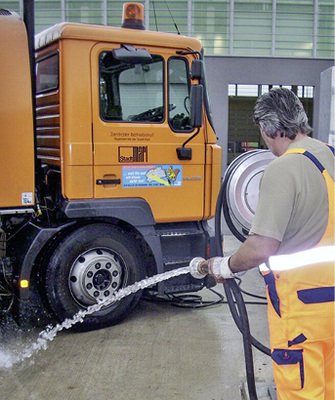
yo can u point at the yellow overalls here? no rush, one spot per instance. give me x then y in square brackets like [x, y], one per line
[301, 317]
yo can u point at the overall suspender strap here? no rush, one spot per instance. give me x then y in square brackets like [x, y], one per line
[328, 236]
[331, 148]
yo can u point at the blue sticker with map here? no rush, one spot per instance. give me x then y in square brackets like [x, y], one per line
[141, 176]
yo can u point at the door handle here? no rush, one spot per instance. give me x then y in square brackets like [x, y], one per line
[108, 181]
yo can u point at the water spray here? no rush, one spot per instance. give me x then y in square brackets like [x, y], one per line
[50, 332]
[198, 268]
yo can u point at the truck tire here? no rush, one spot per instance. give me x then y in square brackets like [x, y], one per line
[90, 264]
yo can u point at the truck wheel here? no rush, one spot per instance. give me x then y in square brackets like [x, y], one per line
[89, 265]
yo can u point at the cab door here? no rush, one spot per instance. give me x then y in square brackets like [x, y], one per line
[140, 117]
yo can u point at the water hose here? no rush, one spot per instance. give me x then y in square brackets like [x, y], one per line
[237, 307]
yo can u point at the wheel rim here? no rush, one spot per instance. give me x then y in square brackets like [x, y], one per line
[95, 276]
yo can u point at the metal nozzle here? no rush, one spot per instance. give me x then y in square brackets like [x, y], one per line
[199, 268]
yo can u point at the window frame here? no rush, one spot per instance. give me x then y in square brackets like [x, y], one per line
[185, 60]
[107, 120]
[52, 88]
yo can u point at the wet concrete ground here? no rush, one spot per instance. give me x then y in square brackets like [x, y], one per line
[160, 352]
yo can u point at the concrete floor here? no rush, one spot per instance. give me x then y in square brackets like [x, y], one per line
[160, 352]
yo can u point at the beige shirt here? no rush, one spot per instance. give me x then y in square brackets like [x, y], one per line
[293, 203]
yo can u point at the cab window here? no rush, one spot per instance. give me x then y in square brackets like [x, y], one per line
[179, 95]
[47, 74]
[131, 92]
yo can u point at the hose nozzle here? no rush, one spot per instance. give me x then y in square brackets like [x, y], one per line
[199, 268]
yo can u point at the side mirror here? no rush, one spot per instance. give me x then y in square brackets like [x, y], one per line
[129, 54]
[197, 95]
[197, 69]
[185, 153]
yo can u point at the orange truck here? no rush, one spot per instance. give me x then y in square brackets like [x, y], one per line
[109, 174]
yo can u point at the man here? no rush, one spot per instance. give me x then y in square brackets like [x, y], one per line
[295, 213]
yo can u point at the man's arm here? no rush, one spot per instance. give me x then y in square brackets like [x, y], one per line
[253, 252]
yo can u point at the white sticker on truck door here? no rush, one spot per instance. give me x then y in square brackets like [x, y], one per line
[26, 198]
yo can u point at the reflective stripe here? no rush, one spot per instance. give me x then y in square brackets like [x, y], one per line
[263, 268]
[287, 262]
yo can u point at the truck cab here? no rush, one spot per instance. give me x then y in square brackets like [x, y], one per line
[112, 110]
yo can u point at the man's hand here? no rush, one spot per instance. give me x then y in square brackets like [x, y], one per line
[220, 270]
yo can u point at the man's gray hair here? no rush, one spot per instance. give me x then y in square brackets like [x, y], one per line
[281, 110]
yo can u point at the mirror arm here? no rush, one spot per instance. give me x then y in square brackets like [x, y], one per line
[196, 120]
[184, 53]
[186, 153]
[190, 138]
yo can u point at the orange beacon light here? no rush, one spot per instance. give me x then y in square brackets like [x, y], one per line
[133, 16]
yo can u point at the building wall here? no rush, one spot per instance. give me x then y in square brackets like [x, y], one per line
[326, 112]
[281, 28]
[222, 71]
